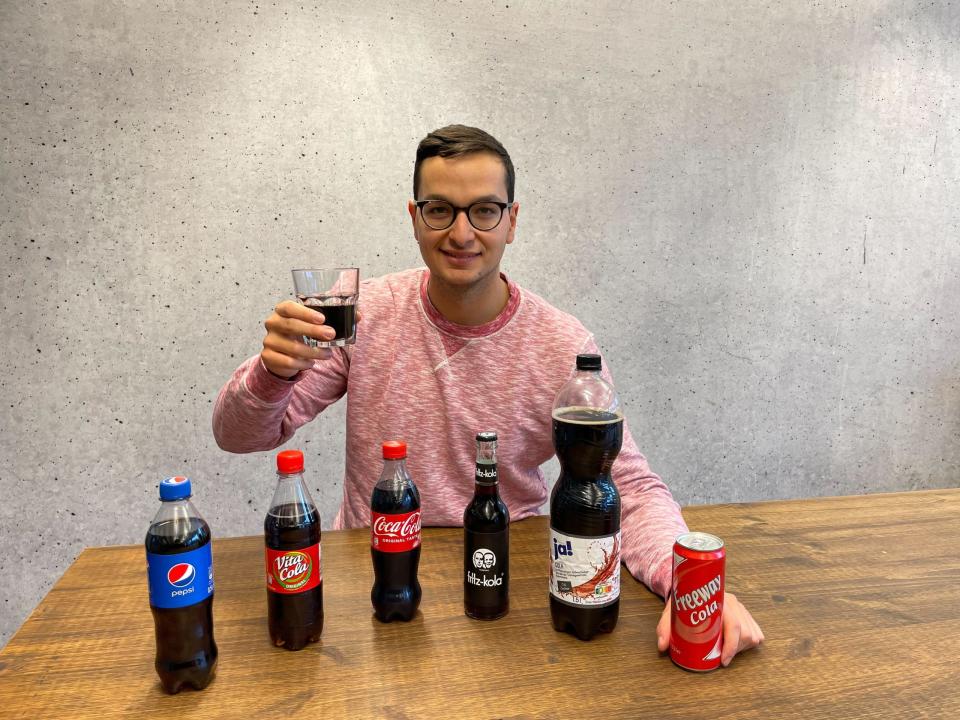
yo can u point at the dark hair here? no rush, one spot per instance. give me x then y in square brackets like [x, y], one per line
[456, 141]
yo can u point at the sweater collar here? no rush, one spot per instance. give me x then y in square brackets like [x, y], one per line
[470, 331]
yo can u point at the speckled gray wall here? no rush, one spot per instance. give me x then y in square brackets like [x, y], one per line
[755, 208]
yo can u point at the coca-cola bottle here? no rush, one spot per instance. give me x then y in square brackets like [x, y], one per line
[585, 504]
[294, 578]
[395, 538]
[486, 539]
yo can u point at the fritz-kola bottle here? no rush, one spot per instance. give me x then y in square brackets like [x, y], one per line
[486, 539]
[585, 505]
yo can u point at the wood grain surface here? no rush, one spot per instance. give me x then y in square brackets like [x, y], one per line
[858, 597]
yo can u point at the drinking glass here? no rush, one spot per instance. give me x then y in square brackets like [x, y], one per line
[333, 292]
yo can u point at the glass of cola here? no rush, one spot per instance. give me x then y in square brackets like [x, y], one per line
[332, 292]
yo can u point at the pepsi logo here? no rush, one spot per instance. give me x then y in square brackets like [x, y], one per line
[177, 480]
[181, 574]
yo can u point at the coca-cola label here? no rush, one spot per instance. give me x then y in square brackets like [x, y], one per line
[293, 571]
[395, 533]
[585, 571]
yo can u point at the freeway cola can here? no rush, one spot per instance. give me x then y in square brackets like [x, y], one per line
[696, 604]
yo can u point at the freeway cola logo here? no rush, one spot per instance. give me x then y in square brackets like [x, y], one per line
[395, 533]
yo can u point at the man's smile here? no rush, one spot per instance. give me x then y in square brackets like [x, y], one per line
[459, 257]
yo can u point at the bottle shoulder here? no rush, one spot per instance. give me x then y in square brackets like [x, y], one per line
[486, 513]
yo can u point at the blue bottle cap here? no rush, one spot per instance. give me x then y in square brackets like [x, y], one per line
[175, 488]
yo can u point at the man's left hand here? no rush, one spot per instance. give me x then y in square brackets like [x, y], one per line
[740, 630]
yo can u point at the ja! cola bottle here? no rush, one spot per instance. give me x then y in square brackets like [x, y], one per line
[294, 578]
[486, 539]
[180, 575]
[395, 538]
[585, 505]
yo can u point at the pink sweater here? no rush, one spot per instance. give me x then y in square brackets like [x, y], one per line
[413, 375]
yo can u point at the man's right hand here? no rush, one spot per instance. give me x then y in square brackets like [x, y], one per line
[284, 352]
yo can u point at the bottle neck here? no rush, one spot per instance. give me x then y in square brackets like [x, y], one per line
[486, 478]
[291, 491]
[180, 510]
[394, 475]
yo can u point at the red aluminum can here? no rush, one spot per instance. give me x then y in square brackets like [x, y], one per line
[696, 604]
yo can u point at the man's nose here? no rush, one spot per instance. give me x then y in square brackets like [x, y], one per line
[461, 231]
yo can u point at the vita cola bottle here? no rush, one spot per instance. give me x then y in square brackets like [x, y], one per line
[292, 548]
[180, 575]
[486, 539]
[395, 538]
[585, 504]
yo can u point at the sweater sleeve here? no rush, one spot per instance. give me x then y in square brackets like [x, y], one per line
[256, 410]
[650, 518]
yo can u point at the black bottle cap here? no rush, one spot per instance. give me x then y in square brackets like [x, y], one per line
[588, 361]
[488, 436]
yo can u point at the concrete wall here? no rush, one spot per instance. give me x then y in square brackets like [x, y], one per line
[755, 208]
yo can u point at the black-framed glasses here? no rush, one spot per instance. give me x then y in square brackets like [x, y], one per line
[483, 215]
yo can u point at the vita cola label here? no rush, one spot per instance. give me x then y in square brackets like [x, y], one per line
[182, 579]
[293, 571]
[395, 533]
[486, 565]
[584, 571]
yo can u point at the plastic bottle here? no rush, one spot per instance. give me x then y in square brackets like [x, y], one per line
[180, 576]
[585, 504]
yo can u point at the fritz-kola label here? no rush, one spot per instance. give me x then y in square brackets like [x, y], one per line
[486, 566]
[584, 571]
[293, 571]
[395, 533]
[181, 579]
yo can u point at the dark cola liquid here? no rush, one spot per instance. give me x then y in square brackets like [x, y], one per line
[340, 316]
[396, 591]
[186, 651]
[585, 502]
[295, 619]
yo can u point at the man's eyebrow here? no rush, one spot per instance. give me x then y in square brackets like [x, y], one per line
[483, 198]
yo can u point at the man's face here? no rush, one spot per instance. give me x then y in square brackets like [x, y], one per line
[461, 255]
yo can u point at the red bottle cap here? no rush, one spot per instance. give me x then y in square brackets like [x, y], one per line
[394, 450]
[290, 461]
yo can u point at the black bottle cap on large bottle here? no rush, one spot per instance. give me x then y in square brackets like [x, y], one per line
[487, 436]
[588, 361]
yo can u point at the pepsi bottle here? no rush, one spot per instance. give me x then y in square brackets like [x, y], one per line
[585, 505]
[180, 576]
[395, 538]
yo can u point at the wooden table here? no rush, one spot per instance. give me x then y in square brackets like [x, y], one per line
[859, 599]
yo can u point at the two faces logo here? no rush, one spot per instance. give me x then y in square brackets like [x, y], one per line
[484, 559]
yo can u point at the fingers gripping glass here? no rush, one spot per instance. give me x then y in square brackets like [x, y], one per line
[439, 214]
[334, 293]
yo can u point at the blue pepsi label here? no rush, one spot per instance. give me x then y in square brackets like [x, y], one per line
[182, 579]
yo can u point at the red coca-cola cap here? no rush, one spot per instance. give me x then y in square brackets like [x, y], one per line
[290, 461]
[394, 450]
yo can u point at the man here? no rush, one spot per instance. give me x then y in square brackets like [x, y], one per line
[442, 353]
